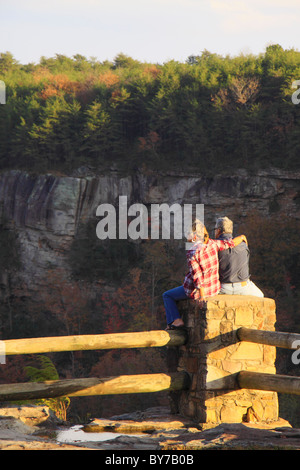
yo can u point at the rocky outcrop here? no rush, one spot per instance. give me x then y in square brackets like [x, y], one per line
[30, 415]
[58, 203]
[21, 426]
[154, 429]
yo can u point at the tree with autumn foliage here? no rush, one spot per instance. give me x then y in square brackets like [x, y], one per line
[136, 304]
[159, 261]
[67, 300]
[129, 307]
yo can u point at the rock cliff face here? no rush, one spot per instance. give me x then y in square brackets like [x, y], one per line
[46, 210]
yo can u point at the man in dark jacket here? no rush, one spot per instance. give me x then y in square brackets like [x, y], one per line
[234, 264]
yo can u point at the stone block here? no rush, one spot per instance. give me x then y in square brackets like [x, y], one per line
[244, 316]
[211, 415]
[215, 314]
[217, 354]
[247, 352]
[269, 354]
[230, 413]
[231, 367]
[230, 314]
[226, 326]
[213, 329]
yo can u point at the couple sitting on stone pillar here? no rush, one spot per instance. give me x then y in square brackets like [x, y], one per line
[216, 266]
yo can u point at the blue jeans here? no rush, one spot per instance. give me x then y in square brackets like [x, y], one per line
[170, 298]
[241, 288]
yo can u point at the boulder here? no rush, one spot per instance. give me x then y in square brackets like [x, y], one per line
[30, 415]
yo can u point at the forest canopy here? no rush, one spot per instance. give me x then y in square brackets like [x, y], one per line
[63, 113]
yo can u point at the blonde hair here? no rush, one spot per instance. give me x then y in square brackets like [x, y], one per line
[198, 229]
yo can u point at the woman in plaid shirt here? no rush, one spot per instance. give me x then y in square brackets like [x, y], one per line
[202, 279]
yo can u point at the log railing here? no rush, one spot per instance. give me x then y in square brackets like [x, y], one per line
[271, 338]
[123, 384]
[144, 339]
[269, 382]
[142, 383]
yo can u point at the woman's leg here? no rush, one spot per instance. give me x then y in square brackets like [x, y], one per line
[170, 298]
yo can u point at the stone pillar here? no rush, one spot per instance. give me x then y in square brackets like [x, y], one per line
[213, 356]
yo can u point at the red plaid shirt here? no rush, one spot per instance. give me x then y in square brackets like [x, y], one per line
[203, 266]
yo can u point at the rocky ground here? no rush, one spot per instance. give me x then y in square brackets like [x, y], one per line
[34, 428]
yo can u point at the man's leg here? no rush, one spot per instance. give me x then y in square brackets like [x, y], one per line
[226, 289]
[251, 289]
[170, 298]
[241, 288]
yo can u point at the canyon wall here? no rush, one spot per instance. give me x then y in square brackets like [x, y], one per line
[46, 210]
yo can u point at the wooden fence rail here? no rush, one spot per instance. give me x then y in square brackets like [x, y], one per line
[123, 384]
[144, 339]
[142, 383]
[269, 382]
[271, 338]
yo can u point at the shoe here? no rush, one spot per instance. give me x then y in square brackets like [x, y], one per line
[174, 327]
